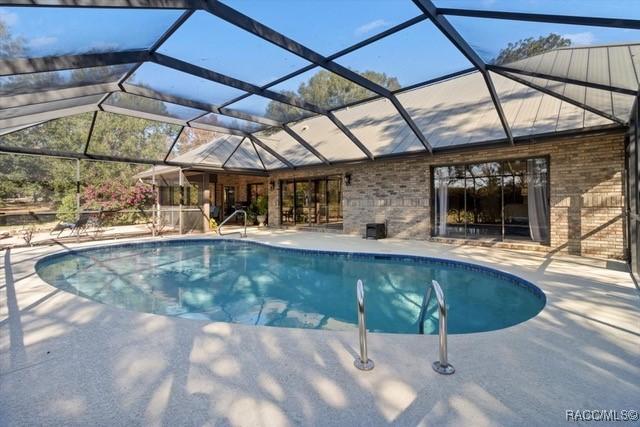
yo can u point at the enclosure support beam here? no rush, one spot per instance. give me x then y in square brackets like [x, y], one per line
[238, 84]
[209, 108]
[107, 4]
[105, 158]
[175, 140]
[305, 144]
[561, 97]
[498, 68]
[90, 134]
[547, 18]
[269, 150]
[24, 99]
[70, 62]
[78, 188]
[336, 121]
[213, 76]
[258, 154]
[429, 9]
[246, 23]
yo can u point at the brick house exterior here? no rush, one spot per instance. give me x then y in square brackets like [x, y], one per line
[586, 174]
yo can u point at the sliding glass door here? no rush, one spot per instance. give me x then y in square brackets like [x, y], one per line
[312, 201]
[492, 200]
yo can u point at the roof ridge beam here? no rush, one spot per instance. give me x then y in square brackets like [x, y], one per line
[429, 9]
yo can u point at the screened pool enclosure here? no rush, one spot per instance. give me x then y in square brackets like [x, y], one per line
[99, 90]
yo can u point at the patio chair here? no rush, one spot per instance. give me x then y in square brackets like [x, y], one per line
[96, 221]
[76, 227]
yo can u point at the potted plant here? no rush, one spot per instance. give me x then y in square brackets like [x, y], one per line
[260, 207]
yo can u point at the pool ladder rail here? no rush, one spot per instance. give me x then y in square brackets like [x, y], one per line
[236, 212]
[441, 366]
[362, 362]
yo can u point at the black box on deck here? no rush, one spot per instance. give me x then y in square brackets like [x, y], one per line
[376, 231]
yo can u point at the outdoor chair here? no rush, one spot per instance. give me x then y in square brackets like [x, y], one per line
[76, 227]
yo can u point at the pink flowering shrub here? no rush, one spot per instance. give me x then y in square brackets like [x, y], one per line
[114, 198]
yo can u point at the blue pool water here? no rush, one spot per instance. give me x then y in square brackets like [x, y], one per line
[246, 282]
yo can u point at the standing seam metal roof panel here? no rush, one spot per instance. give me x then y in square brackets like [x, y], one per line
[324, 136]
[379, 127]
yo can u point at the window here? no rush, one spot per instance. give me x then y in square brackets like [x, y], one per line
[254, 191]
[493, 200]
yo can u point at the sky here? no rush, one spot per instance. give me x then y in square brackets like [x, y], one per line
[327, 26]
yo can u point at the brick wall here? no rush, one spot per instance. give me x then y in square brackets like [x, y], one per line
[586, 179]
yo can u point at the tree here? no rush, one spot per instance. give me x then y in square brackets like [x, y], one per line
[328, 90]
[9, 46]
[528, 47]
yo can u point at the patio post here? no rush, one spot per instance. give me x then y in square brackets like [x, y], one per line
[78, 194]
[155, 215]
[181, 185]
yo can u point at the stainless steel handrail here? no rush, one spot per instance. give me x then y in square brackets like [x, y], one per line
[441, 366]
[362, 362]
[231, 216]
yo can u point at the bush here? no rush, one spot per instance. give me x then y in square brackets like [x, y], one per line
[113, 198]
[67, 211]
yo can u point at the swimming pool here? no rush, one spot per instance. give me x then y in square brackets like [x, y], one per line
[253, 283]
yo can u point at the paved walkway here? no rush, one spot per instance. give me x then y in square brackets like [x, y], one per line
[65, 360]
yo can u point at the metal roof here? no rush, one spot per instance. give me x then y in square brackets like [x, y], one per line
[246, 110]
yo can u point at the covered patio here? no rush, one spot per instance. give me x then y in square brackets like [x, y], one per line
[499, 136]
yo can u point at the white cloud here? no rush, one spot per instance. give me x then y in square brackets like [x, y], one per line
[9, 18]
[42, 41]
[370, 26]
[581, 39]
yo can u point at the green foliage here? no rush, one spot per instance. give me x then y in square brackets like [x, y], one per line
[68, 210]
[328, 90]
[261, 205]
[528, 47]
[258, 207]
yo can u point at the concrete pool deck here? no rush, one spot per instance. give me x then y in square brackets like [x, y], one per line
[65, 360]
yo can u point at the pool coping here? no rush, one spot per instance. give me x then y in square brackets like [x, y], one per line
[468, 266]
[516, 348]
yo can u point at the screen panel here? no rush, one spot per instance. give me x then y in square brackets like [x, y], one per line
[33, 32]
[328, 26]
[177, 83]
[68, 134]
[242, 55]
[413, 55]
[131, 137]
[152, 106]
